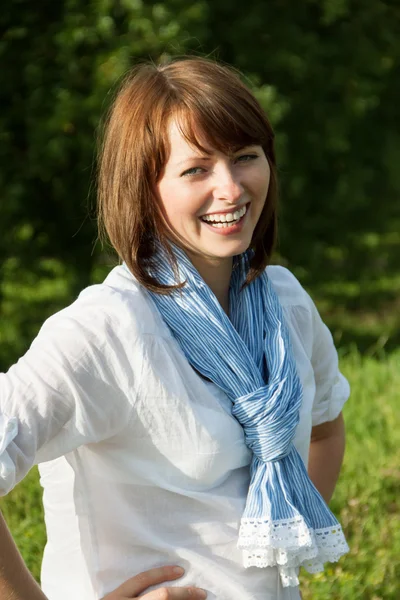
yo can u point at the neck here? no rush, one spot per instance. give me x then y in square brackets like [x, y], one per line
[216, 274]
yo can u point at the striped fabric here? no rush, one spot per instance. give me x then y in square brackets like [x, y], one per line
[286, 523]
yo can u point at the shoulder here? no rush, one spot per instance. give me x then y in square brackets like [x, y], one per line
[302, 317]
[289, 290]
[119, 305]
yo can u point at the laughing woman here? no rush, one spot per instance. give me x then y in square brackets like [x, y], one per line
[173, 408]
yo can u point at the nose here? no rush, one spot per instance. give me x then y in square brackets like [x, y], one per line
[227, 185]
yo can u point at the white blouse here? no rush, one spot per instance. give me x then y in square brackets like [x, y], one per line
[141, 461]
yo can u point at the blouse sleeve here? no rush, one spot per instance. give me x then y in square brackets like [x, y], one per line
[69, 389]
[331, 387]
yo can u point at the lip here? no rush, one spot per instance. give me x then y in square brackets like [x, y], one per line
[232, 229]
[225, 212]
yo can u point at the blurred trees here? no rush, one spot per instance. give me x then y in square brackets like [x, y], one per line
[333, 67]
[59, 61]
[327, 72]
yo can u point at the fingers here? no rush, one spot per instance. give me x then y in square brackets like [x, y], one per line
[134, 586]
[175, 593]
[138, 584]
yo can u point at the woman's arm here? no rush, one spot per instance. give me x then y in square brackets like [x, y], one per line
[16, 582]
[326, 455]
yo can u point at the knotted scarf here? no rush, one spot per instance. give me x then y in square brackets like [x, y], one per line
[285, 523]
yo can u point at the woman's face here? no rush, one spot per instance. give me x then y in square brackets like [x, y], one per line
[213, 201]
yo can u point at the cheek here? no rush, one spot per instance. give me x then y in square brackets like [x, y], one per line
[260, 183]
[265, 181]
[260, 186]
[180, 199]
[165, 197]
[170, 203]
[177, 204]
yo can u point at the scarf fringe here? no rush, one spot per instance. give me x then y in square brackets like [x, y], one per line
[289, 544]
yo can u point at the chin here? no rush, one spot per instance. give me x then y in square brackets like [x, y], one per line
[233, 250]
[236, 247]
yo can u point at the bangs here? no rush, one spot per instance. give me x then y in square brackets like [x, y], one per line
[218, 125]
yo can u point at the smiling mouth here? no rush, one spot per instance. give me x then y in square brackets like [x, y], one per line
[225, 219]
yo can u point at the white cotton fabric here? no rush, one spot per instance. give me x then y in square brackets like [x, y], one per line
[142, 463]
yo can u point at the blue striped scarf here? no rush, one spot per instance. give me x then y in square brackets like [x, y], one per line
[285, 523]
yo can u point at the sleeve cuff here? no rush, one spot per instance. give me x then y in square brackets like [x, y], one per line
[8, 431]
[330, 408]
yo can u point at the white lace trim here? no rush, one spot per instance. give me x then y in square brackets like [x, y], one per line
[289, 544]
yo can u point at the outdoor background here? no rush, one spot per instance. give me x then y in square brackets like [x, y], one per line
[327, 73]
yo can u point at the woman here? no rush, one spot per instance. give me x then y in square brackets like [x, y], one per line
[172, 407]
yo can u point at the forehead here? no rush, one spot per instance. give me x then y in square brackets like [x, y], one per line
[186, 142]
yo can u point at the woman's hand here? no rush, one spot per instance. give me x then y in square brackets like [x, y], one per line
[133, 587]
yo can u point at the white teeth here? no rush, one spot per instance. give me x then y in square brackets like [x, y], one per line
[226, 217]
[219, 225]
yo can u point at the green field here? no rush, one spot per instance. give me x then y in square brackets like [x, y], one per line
[367, 498]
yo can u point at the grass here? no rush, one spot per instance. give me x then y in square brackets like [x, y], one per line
[367, 498]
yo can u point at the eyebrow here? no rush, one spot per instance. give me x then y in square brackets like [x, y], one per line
[206, 158]
[193, 158]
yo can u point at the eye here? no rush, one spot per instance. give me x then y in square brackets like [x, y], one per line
[246, 157]
[192, 171]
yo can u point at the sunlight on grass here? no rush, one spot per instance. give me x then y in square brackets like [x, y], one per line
[367, 499]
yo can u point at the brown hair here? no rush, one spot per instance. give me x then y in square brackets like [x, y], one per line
[206, 96]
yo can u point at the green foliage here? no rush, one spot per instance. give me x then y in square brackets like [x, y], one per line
[326, 74]
[366, 500]
[59, 62]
